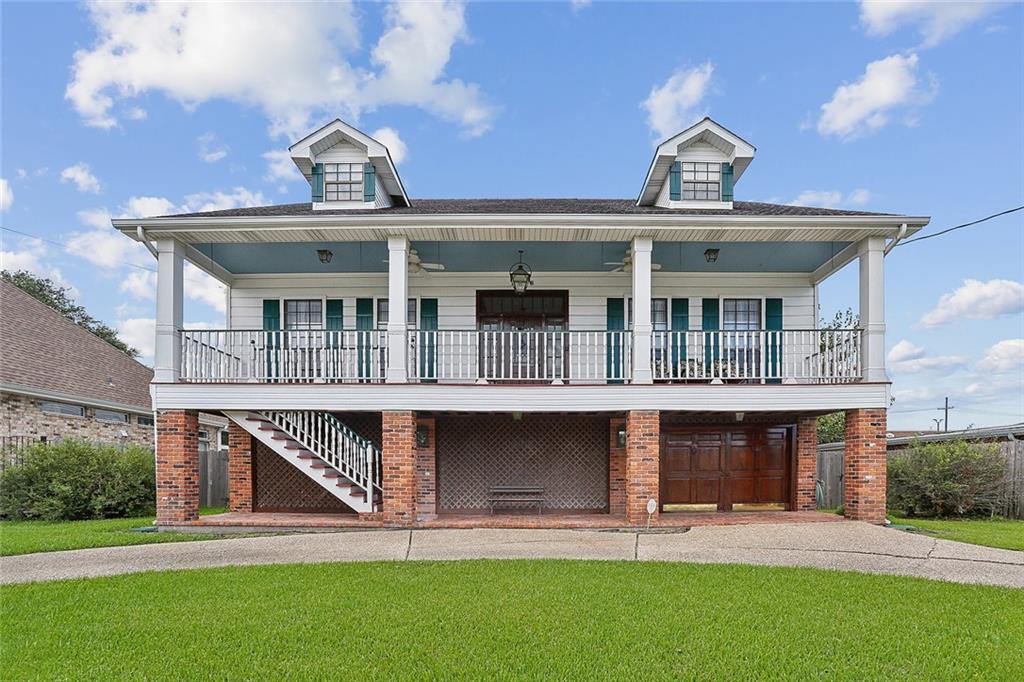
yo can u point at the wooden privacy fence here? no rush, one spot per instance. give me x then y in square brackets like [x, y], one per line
[830, 477]
[213, 477]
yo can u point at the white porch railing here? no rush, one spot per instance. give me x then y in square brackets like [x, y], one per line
[211, 355]
[525, 356]
[800, 356]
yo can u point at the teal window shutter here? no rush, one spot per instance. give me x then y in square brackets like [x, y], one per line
[709, 323]
[318, 182]
[272, 323]
[369, 182]
[364, 324]
[335, 317]
[726, 182]
[616, 322]
[675, 186]
[428, 339]
[680, 323]
[271, 314]
[773, 323]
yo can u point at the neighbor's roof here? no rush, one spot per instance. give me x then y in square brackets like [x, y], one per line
[47, 355]
[981, 433]
[530, 206]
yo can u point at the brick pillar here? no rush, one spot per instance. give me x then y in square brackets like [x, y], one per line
[643, 450]
[806, 464]
[177, 466]
[239, 469]
[864, 466]
[616, 469]
[398, 463]
[426, 472]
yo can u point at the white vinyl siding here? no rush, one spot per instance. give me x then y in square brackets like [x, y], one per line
[588, 293]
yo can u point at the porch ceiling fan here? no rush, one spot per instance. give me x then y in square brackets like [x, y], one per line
[417, 266]
[626, 264]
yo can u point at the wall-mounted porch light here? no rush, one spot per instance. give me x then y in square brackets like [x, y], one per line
[422, 435]
[521, 275]
[325, 255]
[620, 436]
[711, 255]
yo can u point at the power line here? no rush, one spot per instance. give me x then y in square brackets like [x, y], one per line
[64, 245]
[957, 227]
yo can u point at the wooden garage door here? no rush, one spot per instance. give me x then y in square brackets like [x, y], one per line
[725, 466]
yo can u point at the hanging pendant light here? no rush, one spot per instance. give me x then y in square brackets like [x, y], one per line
[521, 275]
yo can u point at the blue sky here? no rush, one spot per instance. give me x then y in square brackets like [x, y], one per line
[903, 107]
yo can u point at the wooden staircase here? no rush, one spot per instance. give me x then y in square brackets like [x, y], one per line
[332, 455]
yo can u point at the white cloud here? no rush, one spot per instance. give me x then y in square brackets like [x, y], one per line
[577, 5]
[83, 178]
[140, 333]
[994, 387]
[289, 59]
[137, 114]
[887, 86]
[29, 255]
[280, 167]
[6, 195]
[673, 106]
[831, 198]
[1005, 356]
[910, 396]
[147, 207]
[944, 364]
[905, 350]
[200, 286]
[211, 149]
[390, 139]
[22, 174]
[936, 21]
[977, 300]
[140, 284]
[218, 201]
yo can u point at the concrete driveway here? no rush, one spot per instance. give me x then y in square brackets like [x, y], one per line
[849, 546]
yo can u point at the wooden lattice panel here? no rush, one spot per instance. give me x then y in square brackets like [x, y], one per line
[566, 454]
[281, 487]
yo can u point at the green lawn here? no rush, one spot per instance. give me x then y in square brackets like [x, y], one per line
[28, 537]
[1002, 533]
[512, 619]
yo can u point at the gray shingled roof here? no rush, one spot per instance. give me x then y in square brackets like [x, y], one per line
[45, 351]
[536, 206]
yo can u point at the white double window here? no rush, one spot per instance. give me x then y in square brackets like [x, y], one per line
[702, 180]
[303, 314]
[343, 182]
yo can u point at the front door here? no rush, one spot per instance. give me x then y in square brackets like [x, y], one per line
[719, 467]
[516, 339]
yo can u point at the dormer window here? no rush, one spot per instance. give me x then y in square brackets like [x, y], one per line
[702, 180]
[343, 182]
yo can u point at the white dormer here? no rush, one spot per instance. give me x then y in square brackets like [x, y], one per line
[696, 168]
[348, 169]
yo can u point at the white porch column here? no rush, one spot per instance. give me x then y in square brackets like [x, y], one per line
[642, 310]
[398, 295]
[871, 252]
[169, 290]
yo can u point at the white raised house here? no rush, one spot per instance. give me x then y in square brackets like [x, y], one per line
[413, 359]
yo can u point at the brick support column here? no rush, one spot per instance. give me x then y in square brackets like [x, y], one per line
[616, 469]
[643, 461]
[240, 483]
[864, 466]
[806, 473]
[398, 463]
[426, 472]
[177, 467]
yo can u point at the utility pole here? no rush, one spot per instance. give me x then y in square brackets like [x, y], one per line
[947, 408]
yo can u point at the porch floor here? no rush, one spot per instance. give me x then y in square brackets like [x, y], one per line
[550, 519]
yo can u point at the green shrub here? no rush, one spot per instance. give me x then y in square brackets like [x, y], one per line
[955, 478]
[73, 479]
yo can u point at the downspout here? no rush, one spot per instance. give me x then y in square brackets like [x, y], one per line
[888, 247]
[141, 233]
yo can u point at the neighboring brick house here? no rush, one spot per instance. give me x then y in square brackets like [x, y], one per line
[58, 380]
